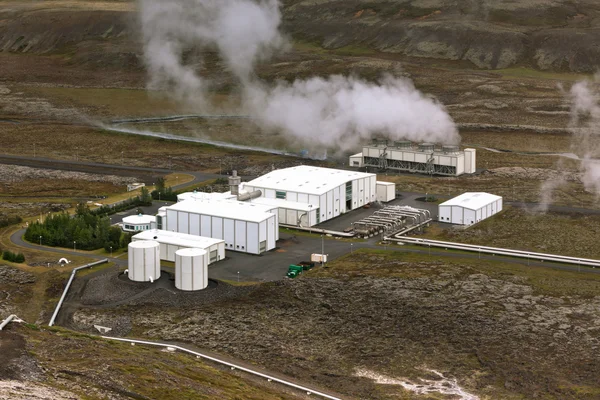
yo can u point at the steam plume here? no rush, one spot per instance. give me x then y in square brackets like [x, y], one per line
[335, 111]
[585, 144]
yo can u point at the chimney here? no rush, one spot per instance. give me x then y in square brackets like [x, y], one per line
[234, 183]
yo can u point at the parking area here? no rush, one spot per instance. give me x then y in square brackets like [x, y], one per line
[273, 265]
[403, 199]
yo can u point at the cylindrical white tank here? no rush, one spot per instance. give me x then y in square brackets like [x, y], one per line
[191, 269]
[144, 260]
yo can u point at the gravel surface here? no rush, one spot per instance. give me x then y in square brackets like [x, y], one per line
[17, 173]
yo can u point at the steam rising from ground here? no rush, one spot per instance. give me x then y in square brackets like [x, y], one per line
[585, 119]
[585, 143]
[336, 111]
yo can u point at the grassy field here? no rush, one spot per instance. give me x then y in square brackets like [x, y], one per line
[570, 235]
[133, 371]
[397, 264]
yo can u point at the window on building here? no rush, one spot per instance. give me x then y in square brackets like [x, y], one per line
[318, 217]
[355, 163]
[158, 222]
[280, 195]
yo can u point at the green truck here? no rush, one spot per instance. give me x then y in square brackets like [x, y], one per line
[296, 269]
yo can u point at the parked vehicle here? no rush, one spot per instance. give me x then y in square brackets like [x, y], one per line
[296, 269]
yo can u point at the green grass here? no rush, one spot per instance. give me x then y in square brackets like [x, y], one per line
[398, 264]
[523, 72]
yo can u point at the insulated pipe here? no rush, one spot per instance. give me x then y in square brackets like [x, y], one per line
[249, 196]
[64, 294]
[7, 320]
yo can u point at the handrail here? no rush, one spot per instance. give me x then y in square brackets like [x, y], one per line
[64, 294]
[229, 364]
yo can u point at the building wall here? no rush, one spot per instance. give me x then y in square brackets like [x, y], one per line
[464, 216]
[167, 251]
[239, 235]
[331, 203]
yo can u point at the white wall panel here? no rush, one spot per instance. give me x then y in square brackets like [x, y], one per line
[282, 216]
[205, 225]
[291, 196]
[195, 224]
[291, 217]
[330, 209]
[354, 195]
[303, 198]
[323, 207]
[269, 193]
[172, 220]
[240, 235]
[252, 241]
[336, 201]
[271, 228]
[228, 232]
[217, 228]
[183, 222]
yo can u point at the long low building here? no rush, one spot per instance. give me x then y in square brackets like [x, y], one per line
[245, 227]
[425, 158]
[331, 192]
[469, 208]
[170, 242]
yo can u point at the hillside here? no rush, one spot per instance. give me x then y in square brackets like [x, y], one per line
[557, 35]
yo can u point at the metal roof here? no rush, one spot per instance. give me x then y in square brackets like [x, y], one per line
[472, 200]
[306, 179]
[177, 239]
[139, 219]
[224, 208]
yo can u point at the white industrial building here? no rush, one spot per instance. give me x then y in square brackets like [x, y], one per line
[140, 222]
[469, 208]
[245, 227]
[425, 158]
[327, 193]
[386, 191]
[171, 242]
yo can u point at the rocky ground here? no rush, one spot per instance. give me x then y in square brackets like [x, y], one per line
[501, 334]
[17, 173]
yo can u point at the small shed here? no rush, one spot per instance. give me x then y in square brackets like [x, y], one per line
[386, 191]
[469, 208]
[356, 160]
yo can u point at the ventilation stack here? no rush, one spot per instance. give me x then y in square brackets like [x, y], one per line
[234, 183]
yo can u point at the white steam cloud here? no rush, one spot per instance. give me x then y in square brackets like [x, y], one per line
[585, 123]
[337, 111]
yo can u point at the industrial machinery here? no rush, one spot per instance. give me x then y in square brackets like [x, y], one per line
[390, 219]
[425, 158]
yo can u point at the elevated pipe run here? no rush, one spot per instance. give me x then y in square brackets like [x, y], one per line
[64, 294]
[497, 250]
[231, 365]
[249, 196]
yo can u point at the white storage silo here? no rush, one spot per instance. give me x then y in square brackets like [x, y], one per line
[144, 260]
[191, 269]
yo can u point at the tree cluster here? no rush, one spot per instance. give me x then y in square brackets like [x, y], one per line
[143, 200]
[163, 193]
[13, 257]
[85, 230]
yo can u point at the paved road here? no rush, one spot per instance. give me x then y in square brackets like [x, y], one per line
[17, 239]
[147, 175]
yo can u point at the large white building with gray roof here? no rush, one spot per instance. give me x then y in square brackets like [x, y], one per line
[325, 192]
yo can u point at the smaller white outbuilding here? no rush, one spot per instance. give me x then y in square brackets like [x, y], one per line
[191, 269]
[386, 191]
[469, 208]
[138, 223]
[171, 242]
